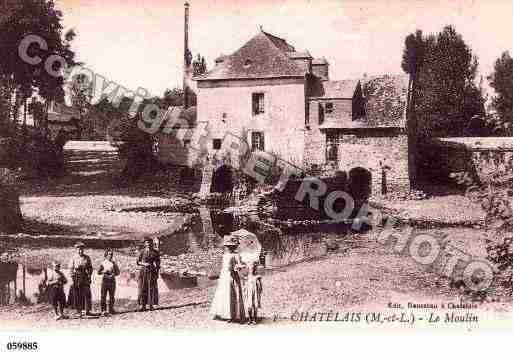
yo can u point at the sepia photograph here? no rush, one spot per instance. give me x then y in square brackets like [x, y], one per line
[238, 165]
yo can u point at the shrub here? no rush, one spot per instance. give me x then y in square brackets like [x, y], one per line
[495, 195]
[10, 212]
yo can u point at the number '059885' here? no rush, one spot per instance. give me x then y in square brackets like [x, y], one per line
[22, 346]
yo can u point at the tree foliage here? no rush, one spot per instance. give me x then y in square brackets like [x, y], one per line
[445, 95]
[501, 80]
[18, 78]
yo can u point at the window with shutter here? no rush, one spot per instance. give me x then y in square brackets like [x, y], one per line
[321, 114]
[257, 141]
[332, 142]
[258, 103]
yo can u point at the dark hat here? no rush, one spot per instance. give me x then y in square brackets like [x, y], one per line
[147, 239]
[79, 245]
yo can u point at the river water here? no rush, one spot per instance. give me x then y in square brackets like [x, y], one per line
[201, 239]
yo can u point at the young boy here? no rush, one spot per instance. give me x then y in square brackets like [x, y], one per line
[56, 282]
[109, 269]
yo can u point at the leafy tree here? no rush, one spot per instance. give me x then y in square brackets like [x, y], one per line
[18, 78]
[415, 47]
[443, 69]
[134, 145]
[501, 80]
[37, 110]
[81, 93]
[173, 97]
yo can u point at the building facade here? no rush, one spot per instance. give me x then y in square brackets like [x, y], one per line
[282, 101]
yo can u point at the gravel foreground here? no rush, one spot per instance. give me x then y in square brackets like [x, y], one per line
[366, 278]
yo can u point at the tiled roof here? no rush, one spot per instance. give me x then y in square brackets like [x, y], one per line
[279, 42]
[385, 100]
[220, 58]
[321, 61]
[333, 89]
[299, 55]
[264, 56]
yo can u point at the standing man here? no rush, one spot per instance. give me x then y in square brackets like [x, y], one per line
[108, 270]
[149, 264]
[81, 270]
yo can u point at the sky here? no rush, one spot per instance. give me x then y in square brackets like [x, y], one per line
[139, 43]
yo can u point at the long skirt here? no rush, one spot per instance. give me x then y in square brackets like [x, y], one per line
[228, 303]
[148, 289]
[80, 297]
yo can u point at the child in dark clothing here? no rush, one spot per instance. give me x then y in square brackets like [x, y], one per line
[56, 282]
[253, 291]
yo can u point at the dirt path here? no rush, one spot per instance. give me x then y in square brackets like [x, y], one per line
[88, 200]
[365, 278]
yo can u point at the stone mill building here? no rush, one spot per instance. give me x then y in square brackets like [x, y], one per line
[283, 101]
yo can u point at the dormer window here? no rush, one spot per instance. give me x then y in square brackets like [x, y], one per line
[247, 63]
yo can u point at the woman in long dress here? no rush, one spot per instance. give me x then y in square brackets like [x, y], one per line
[228, 303]
[149, 267]
[81, 269]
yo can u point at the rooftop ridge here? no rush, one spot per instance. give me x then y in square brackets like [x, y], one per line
[274, 62]
[290, 48]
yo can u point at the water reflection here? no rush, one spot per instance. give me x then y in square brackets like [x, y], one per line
[206, 230]
[25, 284]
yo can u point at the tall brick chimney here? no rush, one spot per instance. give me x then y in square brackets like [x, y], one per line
[187, 58]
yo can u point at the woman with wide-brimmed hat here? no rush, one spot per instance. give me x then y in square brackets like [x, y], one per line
[149, 267]
[81, 269]
[228, 301]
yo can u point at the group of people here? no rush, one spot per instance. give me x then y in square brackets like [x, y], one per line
[233, 301]
[81, 271]
[237, 297]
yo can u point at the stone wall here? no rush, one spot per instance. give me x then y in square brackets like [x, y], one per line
[385, 156]
[439, 159]
[342, 110]
[315, 148]
[376, 150]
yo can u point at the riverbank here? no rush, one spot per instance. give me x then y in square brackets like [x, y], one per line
[361, 274]
[316, 272]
